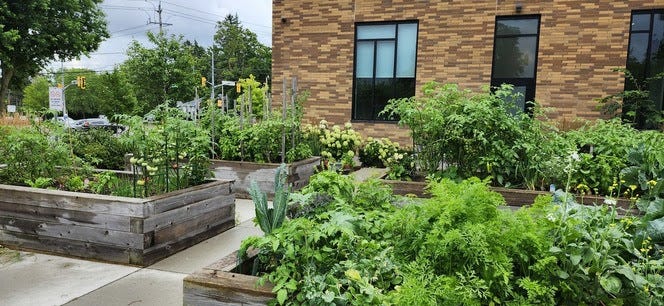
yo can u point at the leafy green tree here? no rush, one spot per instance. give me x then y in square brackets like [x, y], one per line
[164, 73]
[238, 53]
[35, 95]
[105, 94]
[35, 32]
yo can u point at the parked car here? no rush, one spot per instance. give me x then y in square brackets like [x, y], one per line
[66, 121]
[99, 123]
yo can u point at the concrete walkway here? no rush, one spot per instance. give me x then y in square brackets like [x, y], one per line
[39, 279]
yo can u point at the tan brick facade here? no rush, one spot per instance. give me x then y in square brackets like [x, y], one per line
[579, 43]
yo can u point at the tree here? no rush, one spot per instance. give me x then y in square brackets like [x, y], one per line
[35, 32]
[238, 53]
[165, 73]
[35, 95]
[107, 94]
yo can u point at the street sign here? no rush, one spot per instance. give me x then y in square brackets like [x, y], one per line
[227, 83]
[55, 98]
[11, 108]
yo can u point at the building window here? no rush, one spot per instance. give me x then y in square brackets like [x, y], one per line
[385, 60]
[645, 59]
[515, 47]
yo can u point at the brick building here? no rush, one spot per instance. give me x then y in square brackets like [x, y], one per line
[352, 55]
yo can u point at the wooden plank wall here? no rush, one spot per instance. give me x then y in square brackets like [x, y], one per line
[263, 173]
[217, 285]
[115, 229]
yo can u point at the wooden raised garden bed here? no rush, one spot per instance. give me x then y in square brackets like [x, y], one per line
[226, 283]
[263, 173]
[115, 229]
[513, 197]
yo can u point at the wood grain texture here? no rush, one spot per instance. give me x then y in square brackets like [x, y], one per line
[116, 229]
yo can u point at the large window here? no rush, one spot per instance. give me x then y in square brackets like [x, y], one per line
[645, 59]
[515, 56]
[385, 60]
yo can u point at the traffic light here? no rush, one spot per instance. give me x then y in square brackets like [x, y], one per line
[220, 103]
[203, 81]
[80, 82]
[237, 87]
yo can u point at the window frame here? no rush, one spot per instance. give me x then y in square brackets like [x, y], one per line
[531, 82]
[648, 61]
[375, 51]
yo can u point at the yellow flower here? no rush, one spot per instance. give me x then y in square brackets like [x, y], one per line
[633, 187]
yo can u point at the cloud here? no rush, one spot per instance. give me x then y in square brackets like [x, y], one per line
[195, 20]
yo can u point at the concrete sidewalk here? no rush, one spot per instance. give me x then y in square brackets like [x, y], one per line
[39, 279]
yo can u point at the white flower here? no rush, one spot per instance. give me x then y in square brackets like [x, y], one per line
[575, 156]
[610, 201]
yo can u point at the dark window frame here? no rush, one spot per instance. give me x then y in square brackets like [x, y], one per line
[375, 50]
[529, 83]
[649, 31]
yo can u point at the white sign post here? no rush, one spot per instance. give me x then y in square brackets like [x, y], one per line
[55, 99]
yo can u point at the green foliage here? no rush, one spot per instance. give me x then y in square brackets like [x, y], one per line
[375, 151]
[34, 152]
[337, 144]
[331, 183]
[238, 53]
[270, 219]
[474, 132]
[169, 155]
[610, 142]
[634, 104]
[101, 148]
[246, 136]
[35, 95]
[32, 35]
[162, 74]
[456, 248]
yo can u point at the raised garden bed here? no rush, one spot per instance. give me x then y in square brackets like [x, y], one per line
[226, 282]
[263, 173]
[114, 229]
[513, 197]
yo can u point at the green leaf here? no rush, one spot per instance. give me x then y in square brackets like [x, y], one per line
[562, 274]
[611, 284]
[328, 296]
[575, 259]
[282, 294]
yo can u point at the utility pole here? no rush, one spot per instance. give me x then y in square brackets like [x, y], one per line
[160, 23]
[212, 80]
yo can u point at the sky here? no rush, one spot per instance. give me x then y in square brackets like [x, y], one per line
[129, 20]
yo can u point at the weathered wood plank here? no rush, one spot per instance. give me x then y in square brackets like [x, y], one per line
[194, 225]
[173, 200]
[193, 210]
[66, 216]
[243, 173]
[67, 247]
[94, 203]
[196, 293]
[157, 252]
[71, 232]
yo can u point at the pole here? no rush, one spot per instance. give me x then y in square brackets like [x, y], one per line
[212, 68]
[293, 97]
[283, 118]
[213, 106]
[64, 103]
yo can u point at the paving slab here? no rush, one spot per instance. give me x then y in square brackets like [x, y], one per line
[144, 287]
[40, 279]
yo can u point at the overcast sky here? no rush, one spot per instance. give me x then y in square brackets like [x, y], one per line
[129, 20]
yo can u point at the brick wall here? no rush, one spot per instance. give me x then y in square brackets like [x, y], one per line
[580, 41]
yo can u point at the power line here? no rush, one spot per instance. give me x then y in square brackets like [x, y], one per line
[216, 15]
